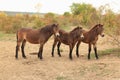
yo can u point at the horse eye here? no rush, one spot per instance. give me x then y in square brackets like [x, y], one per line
[54, 25]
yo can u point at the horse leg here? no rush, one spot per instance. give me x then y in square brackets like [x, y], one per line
[40, 52]
[95, 50]
[53, 47]
[70, 53]
[17, 49]
[22, 48]
[77, 48]
[89, 50]
[58, 48]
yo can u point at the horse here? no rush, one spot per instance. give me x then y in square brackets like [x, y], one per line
[35, 36]
[67, 38]
[91, 37]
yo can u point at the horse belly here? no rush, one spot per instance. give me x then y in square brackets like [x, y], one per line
[33, 42]
[33, 39]
[65, 41]
[85, 41]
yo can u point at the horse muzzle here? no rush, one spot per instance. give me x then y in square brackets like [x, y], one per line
[102, 35]
[57, 34]
[82, 36]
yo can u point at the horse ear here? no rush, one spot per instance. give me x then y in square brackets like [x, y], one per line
[80, 27]
[98, 25]
[102, 25]
[55, 24]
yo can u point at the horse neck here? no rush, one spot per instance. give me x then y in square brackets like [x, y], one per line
[74, 34]
[62, 32]
[93, 32]
[47, 30]
[94, 29]
[50, 31]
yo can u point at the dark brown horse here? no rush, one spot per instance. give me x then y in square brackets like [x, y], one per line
[67, 38]
[91, 37]
[35, 36]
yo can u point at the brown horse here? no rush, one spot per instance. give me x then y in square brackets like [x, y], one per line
[91, 37]
[35, 36]
[67, 38]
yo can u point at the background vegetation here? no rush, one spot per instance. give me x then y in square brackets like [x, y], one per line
[81, 14]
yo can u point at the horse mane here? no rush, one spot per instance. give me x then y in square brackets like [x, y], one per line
[94, 27]
[74, 29]
[46, 28]
[62, 31]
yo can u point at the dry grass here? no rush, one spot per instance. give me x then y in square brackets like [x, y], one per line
[106, 68]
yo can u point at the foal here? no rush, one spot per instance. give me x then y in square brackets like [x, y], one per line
[67, 38]
[35, 36]
[91, 37]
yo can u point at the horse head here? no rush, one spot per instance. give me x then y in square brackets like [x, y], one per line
[99, 30]
[81, 32]
[56, 29]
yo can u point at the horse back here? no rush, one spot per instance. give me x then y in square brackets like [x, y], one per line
[89, 37]
[31, 35]
[64, 37]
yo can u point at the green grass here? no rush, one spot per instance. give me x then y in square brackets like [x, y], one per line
[1, 34]
[6, 36]
[113, 51]
[61, 78]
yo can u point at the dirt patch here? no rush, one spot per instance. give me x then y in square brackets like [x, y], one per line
[106, 68]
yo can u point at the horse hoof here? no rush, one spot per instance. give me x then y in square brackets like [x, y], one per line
[41, 58]
[77, 56]
[97, 58]
[38, 56]
[71, 59]
[16, 57]
[25, 57]
[60, 56]
[52, 55]
[88, 58]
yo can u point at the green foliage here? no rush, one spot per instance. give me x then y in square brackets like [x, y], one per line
[84, 12]
[49, 15]
[10, 24]
[67, 14]
[78, 8]
[38, 23]
[50, 18]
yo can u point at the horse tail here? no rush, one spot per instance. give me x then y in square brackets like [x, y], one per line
[17, 36]
[17, 40]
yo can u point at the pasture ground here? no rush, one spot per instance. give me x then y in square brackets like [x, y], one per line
[57, 68]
